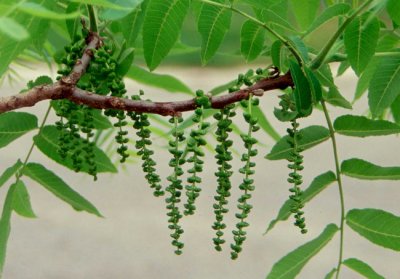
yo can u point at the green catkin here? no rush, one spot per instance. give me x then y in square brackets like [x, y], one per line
[247, 185]
[141, 124]
[223, 156]
[175, 187]
[194, 144]
[296, 165]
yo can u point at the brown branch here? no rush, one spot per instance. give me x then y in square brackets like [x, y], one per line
[66, 89]
[60, 90]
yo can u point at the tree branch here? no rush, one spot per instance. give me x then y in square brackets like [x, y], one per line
[66, 89]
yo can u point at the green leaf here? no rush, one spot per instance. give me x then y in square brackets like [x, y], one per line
[252, 38]
[361, 169]
[5, 225]
[10, 49]
[360, 40]
[166, 82]
[329, 13]
[290, 265]
[310, 136]
[41, 11]
[101, 3]
[125, 61]
[305, 12]
[330, 274]
[315, 86]
[15, 124]
[13, 29]
[47, 142]
[393, 8]
[361, 126]
[384, 85]
[277, 15]
[362, 268]
[365, 78]
[112, 14]
[265, 124]
[22, 201]
[132, 24]
[396, 110]
[161, 27]
[378, 226]
[9, 172]
[73, 24]
[212, 25]
[334, 98]
[302, 90]
[58, 187]
[319, 184]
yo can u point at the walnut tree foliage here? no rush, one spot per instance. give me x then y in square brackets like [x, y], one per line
[99, 44]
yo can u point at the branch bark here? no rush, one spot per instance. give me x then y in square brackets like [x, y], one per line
[66, 89]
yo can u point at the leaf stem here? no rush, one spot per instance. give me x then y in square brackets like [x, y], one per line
[19, 174]
[340, 186]
[318, 61]
[287, 43]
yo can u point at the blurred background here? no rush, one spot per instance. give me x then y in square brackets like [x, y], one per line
[132, 240]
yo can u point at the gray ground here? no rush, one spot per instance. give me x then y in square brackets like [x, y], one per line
[132, 241]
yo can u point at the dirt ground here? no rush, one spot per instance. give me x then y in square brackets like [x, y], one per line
[132, 241]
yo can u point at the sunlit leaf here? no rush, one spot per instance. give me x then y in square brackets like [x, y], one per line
[5, 225]
[166, 82]
[9, 172]
[384, 85]
[305, 12]
[360, 40]
[13, 29]
[361, 126]
[41, 11]
[22, 201]
[378, 226]
[329, 13]
[213, 24]
[58, 187]
[161, 28]
[362, 268]
[252, 38]
[319, 184]
[290, 265]
[361, 169]
[311, 136]
[15, 124]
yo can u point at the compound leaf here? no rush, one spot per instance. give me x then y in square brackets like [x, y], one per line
[361, 169]
[362, 268]
[15, 124]
[361, 126]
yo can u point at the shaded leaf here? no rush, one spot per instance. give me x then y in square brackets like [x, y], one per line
[213, 23]
[378, 226]
[252, 38]
[393, 8]
[101, 3]
[58, 187]
[319, 184]
[265, 124]
[360, 40]
[361, 126]
[21, 201]
[15, 124]
[365, 78]
[384, 85]
[13, 29]
[396, 110]
[361, 169]
[311, 136]
[161, 28]
[302, 90]
[330, 274]
[47, 142]
[334, 98]
[112, 14]
[362, 268]
[125, 61]
[290, 265]
[132, 24]
[9, 172]
[166, 82]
